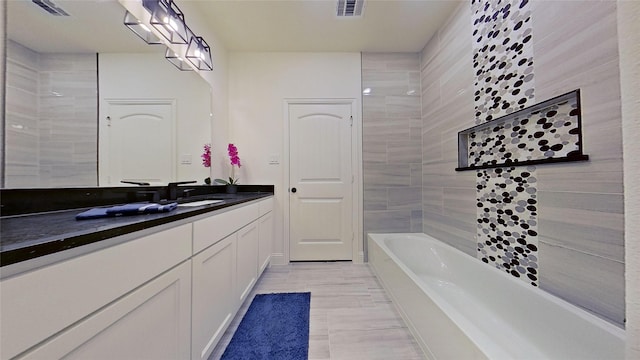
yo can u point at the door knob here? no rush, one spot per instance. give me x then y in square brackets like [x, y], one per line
[293, 190]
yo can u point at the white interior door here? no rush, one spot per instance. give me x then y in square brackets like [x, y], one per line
[138, 142]
[321, 181]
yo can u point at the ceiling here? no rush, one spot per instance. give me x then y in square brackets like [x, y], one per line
[242, 25]
[312, 25]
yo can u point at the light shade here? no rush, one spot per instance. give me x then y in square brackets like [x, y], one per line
[167, 18]
[199, 53]
[177, 60]
[140, 29]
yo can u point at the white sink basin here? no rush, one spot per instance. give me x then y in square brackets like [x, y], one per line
[201, 203]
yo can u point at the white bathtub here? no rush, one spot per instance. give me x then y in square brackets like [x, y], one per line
[460, 308]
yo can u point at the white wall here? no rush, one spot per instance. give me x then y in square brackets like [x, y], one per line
[218, 81]
[135, 76]
[259, 83]
[629, 37]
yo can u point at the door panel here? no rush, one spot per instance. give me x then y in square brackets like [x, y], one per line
[139, 142]
[321, 173]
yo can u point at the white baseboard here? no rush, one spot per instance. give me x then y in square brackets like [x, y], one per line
[278, 259]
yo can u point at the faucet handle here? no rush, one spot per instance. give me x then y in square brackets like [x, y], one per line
[172, 187]
[182, 182]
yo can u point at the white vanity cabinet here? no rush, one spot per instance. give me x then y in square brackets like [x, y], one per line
[38, 304]
[225, 269]
[152, 322]
[213, 302]
[247, 264]
[266, 234]
[169, 294]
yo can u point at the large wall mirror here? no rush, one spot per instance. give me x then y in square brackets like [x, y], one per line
[88, 103]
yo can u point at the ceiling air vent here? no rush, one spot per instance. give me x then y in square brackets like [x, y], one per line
[50, 7]
[350, 8]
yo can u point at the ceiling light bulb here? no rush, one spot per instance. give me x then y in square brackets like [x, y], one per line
[173, 24]
[145, 28]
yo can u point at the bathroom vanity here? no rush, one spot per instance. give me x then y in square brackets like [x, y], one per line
[155, 286]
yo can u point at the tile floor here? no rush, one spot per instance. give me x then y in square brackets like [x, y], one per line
[351, 316]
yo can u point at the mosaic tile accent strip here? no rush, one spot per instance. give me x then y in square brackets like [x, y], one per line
[548, 131]
[507, 225]
[506, 197]
[502, 57]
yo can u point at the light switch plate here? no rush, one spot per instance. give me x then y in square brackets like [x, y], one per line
[185, 159]
[274, 159]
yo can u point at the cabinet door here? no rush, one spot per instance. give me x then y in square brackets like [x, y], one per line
[266, 239]
[151, 322]
[207, 232]
[213, 295]
[39, 304]
[247, 266]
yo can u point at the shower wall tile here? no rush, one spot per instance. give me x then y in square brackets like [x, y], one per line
[459, 203]
[392, 142]
[587, 28]
[582, 205]
[375, 198]
[373, 151]
[52, 119]
[404, 198]
[21, 117]
[455, 81]
[403, 106]
[416, 221]
[388, 221]
[386, 83]
[589, 281]
[432, 199]
[416, 175]
[389, 175]
[580, 212]
[408, 151]
[430, 96]
[588, 177]
[386, 130]
[373, 106]
[385, 62]
[588, 222]
[459, 234]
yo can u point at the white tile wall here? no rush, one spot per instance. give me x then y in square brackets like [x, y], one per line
[580, 204]
[392, 142]
[51, 119]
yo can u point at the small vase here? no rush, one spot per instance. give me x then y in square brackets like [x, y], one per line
[232, 189]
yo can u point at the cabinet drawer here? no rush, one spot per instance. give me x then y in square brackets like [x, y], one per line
[38, 304]
[266, 206]
[207, 232]
[151, 322]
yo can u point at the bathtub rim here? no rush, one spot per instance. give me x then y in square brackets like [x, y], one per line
[469, 329]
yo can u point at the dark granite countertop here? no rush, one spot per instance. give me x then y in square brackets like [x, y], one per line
[28, 236]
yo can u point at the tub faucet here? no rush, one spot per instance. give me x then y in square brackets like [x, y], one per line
[172, 189]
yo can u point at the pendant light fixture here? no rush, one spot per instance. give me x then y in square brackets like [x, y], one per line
[140, 29]
[177, 60]
[167, 18]
[199, 53]
[185, 50]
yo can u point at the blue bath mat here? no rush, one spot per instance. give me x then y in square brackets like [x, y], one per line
[276, 326]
